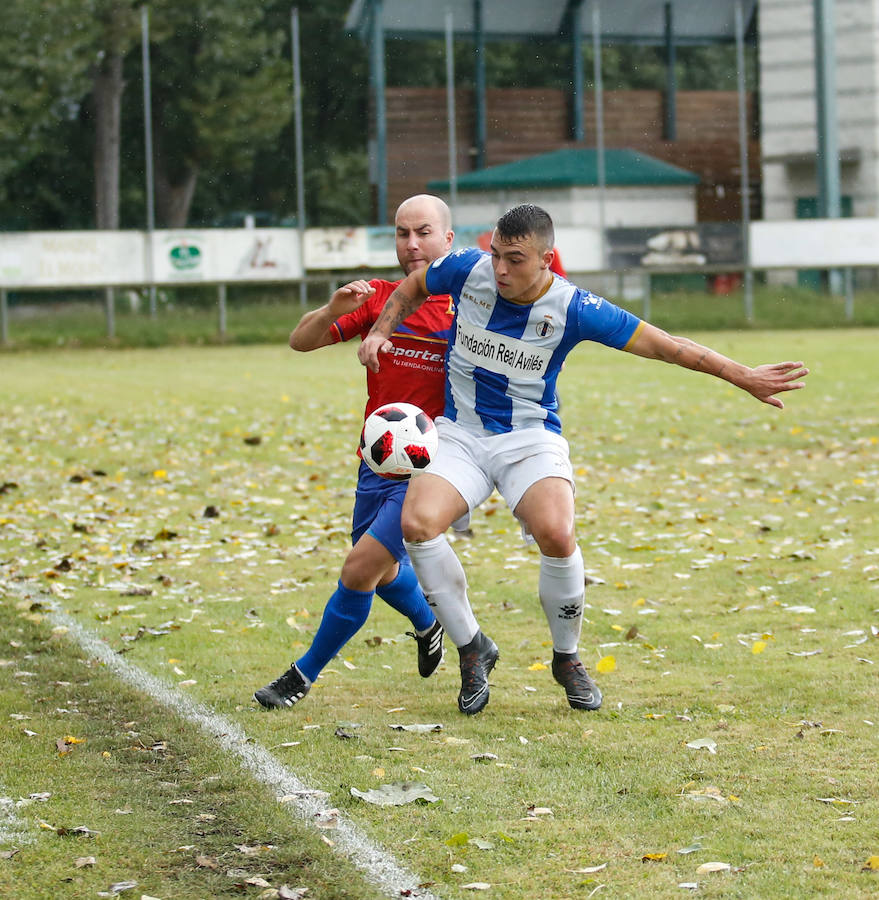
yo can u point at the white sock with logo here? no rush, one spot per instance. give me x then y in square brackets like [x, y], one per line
[444, 583]
[562, 587]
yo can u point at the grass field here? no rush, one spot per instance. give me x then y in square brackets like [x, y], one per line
[190, 507]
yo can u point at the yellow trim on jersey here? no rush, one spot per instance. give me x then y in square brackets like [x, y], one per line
[549, 284]
[634, 336]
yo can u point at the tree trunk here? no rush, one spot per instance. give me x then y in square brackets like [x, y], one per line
[173, 199]
[108, 89]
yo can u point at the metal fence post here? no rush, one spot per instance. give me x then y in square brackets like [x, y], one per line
[645, 296]
[849, 281]
[221, 309]
[110, 311]
[4, 317]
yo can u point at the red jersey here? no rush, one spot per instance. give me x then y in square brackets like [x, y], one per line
[414, 371]
[557, 265]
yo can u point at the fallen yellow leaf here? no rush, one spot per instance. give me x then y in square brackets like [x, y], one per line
[606, 665]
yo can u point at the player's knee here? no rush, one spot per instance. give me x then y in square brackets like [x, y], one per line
[417, 524]
[360, 574]
[555, 540]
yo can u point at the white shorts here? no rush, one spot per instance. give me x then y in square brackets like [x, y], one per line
[511, 462]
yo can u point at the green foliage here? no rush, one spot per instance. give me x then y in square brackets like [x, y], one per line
[221, 90]
[45, 73]
[222, 103]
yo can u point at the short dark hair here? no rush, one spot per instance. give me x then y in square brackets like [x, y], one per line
[524, 220]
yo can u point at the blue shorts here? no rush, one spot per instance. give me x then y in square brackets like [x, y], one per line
[377, 505]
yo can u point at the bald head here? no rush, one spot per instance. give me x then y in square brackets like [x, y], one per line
[428, 207]
[423, 226]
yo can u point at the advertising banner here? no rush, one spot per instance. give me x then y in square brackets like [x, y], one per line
[812, 243]
[55, 259]
[708, 244]
[336, 248]
[220, 255]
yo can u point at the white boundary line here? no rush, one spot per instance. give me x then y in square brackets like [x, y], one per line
[13, 829]
[376, 863]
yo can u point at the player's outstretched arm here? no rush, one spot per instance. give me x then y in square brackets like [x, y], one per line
[762, 382]
[313, 330]
[409, 294]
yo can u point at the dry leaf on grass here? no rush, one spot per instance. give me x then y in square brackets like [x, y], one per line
[418, 728]
[588, 870]
[118, 888]
[397, 794]
[708, 867]
[288, 893]
[606, 665]
[703, 744]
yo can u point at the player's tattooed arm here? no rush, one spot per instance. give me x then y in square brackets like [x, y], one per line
[762, 382]
[404, 300]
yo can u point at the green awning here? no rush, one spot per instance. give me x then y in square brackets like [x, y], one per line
[570, 167]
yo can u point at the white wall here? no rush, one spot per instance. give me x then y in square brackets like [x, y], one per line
[624, 207]
[788, 113]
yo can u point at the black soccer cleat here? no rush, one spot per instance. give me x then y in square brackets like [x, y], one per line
[571, 674]
[478, 658]
[287, 690]
[430, 649]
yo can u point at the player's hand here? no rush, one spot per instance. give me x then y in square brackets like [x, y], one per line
[370, 348]
[349, 297]
[764, 382]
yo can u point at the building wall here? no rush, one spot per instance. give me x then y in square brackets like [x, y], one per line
[624, 207]
[523, 122]
[788, 110]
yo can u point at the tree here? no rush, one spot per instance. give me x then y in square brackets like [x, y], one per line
[220, 84]
[47, 52]
[221, 93]
[118, 27]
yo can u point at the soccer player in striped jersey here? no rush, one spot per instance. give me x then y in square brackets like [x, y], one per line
[515, 322]
[414, 373]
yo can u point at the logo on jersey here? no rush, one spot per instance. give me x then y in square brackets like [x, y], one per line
[479, 301]
[545, 328]
[500, 353]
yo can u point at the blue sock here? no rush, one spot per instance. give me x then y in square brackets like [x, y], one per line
[344, 615]
[404, 594]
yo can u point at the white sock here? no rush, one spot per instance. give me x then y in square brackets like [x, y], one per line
[561, 587]
[444, 583]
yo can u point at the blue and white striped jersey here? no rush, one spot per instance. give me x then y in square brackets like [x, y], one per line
[503, 358]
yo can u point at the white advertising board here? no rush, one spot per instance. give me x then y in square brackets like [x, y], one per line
[55, 259]
[579, 248]
[336, 248]
[815, 243]
[220, 255]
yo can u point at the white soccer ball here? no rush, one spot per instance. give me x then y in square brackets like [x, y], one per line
[398, 440]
